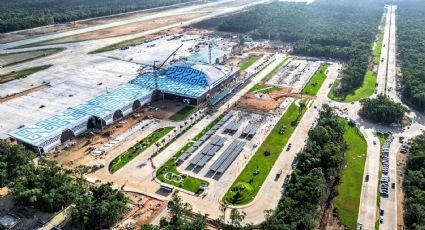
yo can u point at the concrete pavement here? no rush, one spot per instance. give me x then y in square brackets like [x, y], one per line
[368, 198]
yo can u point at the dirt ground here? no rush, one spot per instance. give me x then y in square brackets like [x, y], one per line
[143, 210]
[401, 167]
[331, 221]
[9, 59]
[77, 152]
[20, 94]
[266, 104]
[125, 29]
[166, 108]
[4, 191]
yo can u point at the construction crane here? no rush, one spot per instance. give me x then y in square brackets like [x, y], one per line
[158, 69]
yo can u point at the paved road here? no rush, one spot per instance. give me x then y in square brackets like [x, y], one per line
[367, 209]
[270, 192]
[383, 60]
[389, 204]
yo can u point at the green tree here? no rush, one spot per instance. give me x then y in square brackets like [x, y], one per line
[382, 109]
[14, 162]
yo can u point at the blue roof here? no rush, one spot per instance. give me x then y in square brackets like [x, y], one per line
[178, 79]
[99, 106]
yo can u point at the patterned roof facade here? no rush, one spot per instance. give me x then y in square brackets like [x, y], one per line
[100, 106]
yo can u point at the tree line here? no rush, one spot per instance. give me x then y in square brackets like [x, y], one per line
[414, 185]
[45, 186]
[25, 14]
[313, 183]
[382, 109]
[411, 36]
[342, 30]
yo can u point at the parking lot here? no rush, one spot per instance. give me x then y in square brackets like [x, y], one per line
[295, 74]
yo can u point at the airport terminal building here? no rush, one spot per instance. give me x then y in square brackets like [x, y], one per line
[93, 114]
[192, 85]
[187, 84]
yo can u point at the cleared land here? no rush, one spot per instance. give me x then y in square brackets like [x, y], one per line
[367, 89]
[184, 113]
[131, 28]
[349, 190]
[316, 81]
[20, 57]
[249, 181]
[21, 74]
[187, 182]
[248, 63]
[138, 148]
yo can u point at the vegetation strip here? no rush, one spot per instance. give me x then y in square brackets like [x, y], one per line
[48, 53]
[248, 63]
[378, 46]
[305, 199]
[119, 45]
[250, 180]
[259, 88]
[184, 113]
[366, 90]
[313, 86]
[186, 182]
[21, 73]
[349, 190]
[138, 148]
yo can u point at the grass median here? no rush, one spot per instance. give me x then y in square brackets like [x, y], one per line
[119, 45]
[313, 86]
[187, 182]
[138, 148]
[184, 113]
[248, 63]
[250, 180]
[21, 73]
[378, 46]
[259, 88]
[349, 190]
[366, 90]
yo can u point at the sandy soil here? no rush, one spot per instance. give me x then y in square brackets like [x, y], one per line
[330, 221]
[78, 152]
[267, 104]
[20, 94]
[125, 29]
[143, 210]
